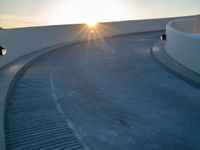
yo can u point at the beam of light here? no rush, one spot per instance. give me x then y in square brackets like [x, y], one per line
[94, 34]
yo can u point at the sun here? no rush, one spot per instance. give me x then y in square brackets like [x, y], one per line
[92, 26]
[92, 23]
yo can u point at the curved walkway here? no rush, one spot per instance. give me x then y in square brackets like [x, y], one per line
[103, 95]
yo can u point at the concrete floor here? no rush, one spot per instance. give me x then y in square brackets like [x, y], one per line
[112, 94]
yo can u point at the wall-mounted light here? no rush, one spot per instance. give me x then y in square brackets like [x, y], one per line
[163, 37]
[3, 50]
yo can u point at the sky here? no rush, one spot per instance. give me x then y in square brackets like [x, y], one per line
[23, 13]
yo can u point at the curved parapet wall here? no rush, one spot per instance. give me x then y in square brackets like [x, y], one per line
[25, 40]
[183, 44]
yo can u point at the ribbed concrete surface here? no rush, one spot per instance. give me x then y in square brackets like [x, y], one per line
[33, 122]
[105, 95]
[8, 75]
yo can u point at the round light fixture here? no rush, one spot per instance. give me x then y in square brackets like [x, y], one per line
[163, 37]
[3, 50]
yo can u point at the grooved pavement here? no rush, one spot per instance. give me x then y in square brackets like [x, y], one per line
[105, 95]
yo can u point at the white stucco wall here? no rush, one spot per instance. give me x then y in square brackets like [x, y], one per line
[197, 24]
[182, 45]
[25, 40]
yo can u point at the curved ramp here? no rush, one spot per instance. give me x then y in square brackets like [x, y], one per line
[103, 95]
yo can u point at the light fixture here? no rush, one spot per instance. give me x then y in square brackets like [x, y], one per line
[163, 37]
[3, 50]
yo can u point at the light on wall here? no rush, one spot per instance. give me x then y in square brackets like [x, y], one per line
[163, 37]
[3, 50]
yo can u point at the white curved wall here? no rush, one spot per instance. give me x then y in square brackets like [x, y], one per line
[25, 40]
[182, 45]
[184, 25]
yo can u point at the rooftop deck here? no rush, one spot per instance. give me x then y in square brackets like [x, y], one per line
[106, 94]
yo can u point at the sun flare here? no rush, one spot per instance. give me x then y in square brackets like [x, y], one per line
[91, 23]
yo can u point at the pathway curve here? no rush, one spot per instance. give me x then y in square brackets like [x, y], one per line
[104, 95]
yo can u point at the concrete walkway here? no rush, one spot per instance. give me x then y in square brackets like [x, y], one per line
[104, 95]
[8, 76]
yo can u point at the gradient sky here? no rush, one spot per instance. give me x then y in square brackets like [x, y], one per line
[21, 13]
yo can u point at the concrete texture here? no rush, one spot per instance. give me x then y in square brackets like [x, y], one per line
[8, 75]
[111, 93]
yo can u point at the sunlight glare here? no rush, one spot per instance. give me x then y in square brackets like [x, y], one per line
[92, 31]
[89, 11]
[91, 23]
